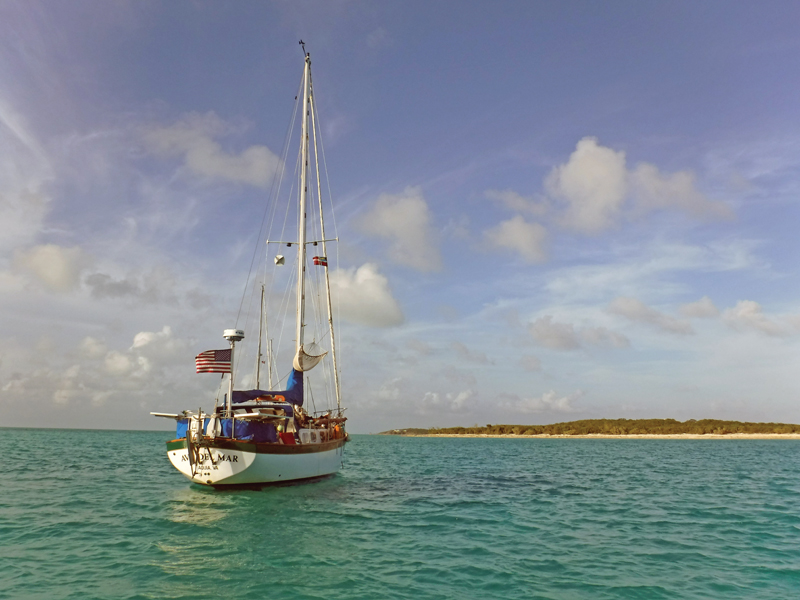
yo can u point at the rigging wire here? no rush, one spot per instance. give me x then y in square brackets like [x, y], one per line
[268, 223]
[336, 316]
[278, 167]
[273, 208]
[245, 353]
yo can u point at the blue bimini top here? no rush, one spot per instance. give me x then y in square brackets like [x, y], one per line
[292, 394]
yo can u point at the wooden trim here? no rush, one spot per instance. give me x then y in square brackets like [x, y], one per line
[258, 448]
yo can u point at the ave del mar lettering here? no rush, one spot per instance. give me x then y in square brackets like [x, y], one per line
[206, 457]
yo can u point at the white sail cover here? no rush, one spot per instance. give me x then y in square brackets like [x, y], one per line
[305, 361]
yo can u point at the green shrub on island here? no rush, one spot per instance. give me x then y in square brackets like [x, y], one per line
[612, 427]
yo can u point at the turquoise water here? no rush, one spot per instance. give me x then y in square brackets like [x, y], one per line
[102, 514]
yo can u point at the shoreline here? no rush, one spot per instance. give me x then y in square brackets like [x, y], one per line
[638, 436]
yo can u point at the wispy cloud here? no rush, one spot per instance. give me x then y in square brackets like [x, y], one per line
[637, 311]
[702, 309]
[749, 315]
[470, 355]
[530, 363]
[536, 206]
[25, 173]
[565, 336]
[652, 269]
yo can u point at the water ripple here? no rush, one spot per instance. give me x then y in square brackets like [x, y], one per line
[103, 515]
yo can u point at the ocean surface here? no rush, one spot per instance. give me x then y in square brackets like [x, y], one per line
[102, 514]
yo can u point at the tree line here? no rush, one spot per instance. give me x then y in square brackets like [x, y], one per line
[611, 427]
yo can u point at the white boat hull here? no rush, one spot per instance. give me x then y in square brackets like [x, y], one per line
[226, 462]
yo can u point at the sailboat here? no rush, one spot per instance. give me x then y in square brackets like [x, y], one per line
[257, 436]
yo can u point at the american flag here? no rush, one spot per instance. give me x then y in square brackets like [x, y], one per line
[213, 361]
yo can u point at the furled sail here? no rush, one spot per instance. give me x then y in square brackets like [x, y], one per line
[305, 361]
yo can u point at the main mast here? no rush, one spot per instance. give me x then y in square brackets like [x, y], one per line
[301, 251]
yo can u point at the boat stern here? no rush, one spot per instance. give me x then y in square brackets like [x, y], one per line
[208, 466]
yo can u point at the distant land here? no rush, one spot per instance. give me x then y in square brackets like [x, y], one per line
[615, 428]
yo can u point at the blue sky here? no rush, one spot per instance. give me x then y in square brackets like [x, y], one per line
[548, 211]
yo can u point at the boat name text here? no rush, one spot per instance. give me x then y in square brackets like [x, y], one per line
[207, 457]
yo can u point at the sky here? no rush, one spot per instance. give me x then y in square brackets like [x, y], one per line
[547, 211]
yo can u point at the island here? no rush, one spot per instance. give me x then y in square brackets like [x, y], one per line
[618, 428]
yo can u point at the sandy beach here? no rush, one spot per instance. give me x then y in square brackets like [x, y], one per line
[599, 436]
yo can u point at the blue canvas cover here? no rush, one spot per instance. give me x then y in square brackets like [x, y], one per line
[183, 426]
[293, 392]
[255, 431]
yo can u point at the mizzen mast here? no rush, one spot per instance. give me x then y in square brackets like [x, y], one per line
[260, 330]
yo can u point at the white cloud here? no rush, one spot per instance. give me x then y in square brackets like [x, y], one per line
[547, 402]
[528, 239]
[450, 400]
[100, 398]
[653, 190]
[192, 138]
[530, 363]
[151, 351]
[92, 348]
[391, 389]
[638, 311]
[63, 396]
[595, 186]
[157, 284]
[89, 374]
[601, 336]
[556, 336]
[459, 401]
[405, 220]
[592, 184]
[431, 399]
[517, 202]
[69, 385]
[105, 286]
[465, 353]
[117, 363]
[564, 336]
[748, 314]
[160, 344]
[702, 309]
[57, 268]
[363, 296]
[459, 376]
